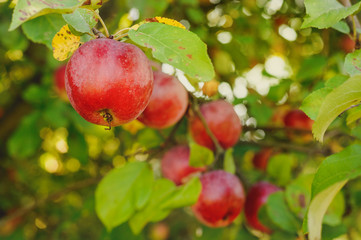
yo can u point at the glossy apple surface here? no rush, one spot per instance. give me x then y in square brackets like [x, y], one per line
[175, 164]
[221, 199]
[168, 102]
[222, 121]
[108, 82]
[260, 159]
[256, 197]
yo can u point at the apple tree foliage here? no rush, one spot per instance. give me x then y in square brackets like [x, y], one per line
[65, 178]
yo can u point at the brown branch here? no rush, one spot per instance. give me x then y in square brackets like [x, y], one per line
[56, 195]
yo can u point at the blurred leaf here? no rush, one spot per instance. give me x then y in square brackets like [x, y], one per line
[298, 194]
[325, 14]
[64, 43]
[332, 232]
[342, 27]
[165, 197]
[283, 236]
[82, 20]
[149, 8]
[277, 92]
[36, 94]
[313, 102]
[353, 115]
[177, 47]
[279, 213]
[29, 9]
[124, 231]
[123, 191]
[336, 81]
[14, 40]
[335, 211]
[200, 156]
[311, 67]
[43, 29]
[353, 63]
[25, 141]
[149, 138]
[279, 168]
[336, 102]
[243, 234]
[261, 112]
[211, 234]
[228, 162]
[196, 15]
[78, 146]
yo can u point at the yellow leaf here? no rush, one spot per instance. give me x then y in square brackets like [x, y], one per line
[64, 43]
[169, 21]
[133, 126]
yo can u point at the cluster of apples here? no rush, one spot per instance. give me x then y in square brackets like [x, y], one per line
[110, 83]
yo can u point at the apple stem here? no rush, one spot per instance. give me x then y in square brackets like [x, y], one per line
[102, 23]
[98, 33]
[107, 117]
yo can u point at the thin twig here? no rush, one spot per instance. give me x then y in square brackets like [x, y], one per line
[121, 36]
[120, 31]
[102, 23]
[353, 23]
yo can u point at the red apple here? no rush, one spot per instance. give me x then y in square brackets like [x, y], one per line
[257, 196]
[298, 120]
[347, 44]
[168, 102]
[222, 121]
[175, 164]
[260, 159]
[221, 199]
[59, 78]
[109, 82]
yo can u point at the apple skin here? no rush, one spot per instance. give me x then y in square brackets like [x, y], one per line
[109, 82]
[261, 158]
[256, 197]
[221, 199]
[222, 121]
[59, 82]
[299, 120]
[168, 102]
[175, 164]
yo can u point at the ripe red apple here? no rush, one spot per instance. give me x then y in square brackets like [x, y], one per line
[222, 121]
[260, 159]
[59, 78]
[257, 196]
[109, 82]
[347, 44]
[221, 199]
[299, 120]
[175, 164]
[168, 102]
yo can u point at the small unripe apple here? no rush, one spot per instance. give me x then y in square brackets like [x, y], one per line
[109, 82]
[261, 158]
[168, 102]
[175, 165]
[222, 121]
[59, 82]
[256, 197]
[221, 199]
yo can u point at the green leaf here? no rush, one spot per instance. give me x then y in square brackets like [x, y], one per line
[29, 9]
[279, 213]
[312, 67]
[36, 94]
[313, 102]
[149, 8]
[123, 191]
[25, 141]
[342, 27]
[176, 46]
[277, 92]
[228, 163]
[325, 14]
[331, 176]
[333, 232]
[336, 102]
[82, 20]
[318, 208]
[165, 197]
[353, 115]
[353, 63]
[149, 138]
[200, 156]
[261, 112]
[78, 146]
[335, 211]
[279, 168]
[55, 114]
[43, 29]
